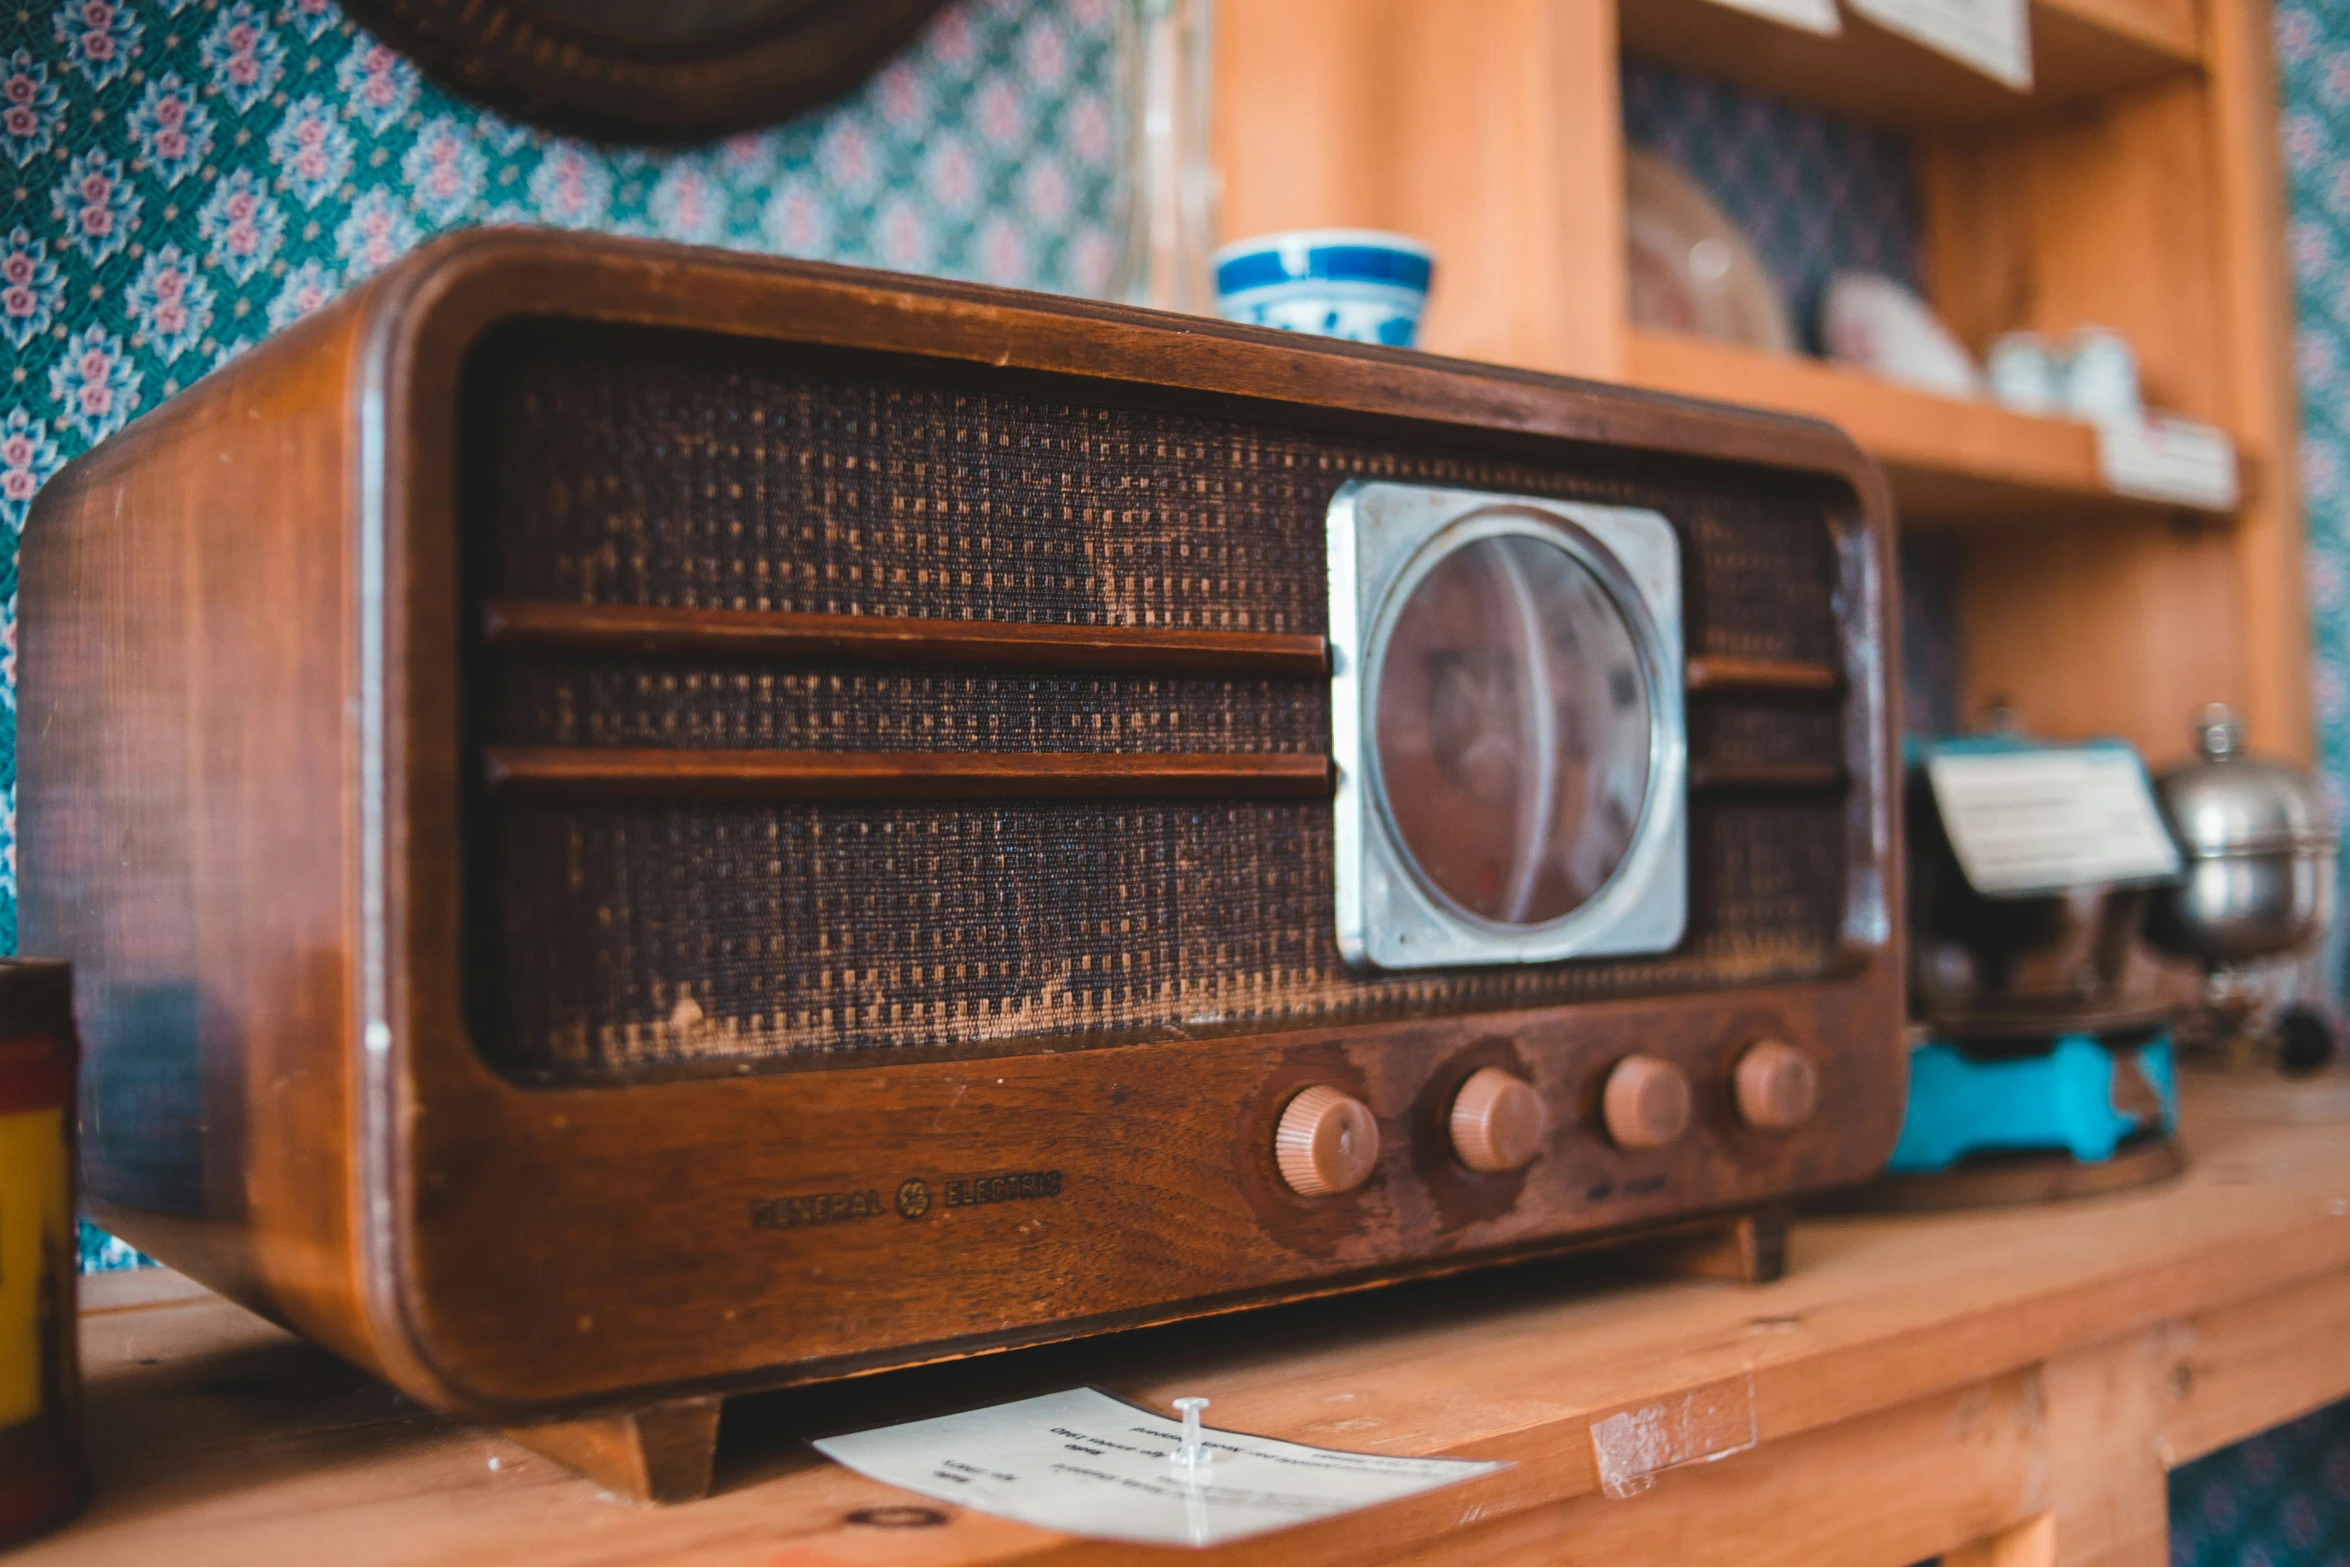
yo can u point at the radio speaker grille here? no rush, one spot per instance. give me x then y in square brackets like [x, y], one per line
[627, 467]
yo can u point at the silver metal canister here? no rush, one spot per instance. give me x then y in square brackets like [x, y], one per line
[2259, 847]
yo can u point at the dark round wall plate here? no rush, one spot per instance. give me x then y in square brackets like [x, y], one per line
[646, 70]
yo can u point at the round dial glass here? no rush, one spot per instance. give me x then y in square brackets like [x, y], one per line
[1512, 730]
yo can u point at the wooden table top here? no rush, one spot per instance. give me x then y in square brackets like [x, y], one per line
[220, 1439]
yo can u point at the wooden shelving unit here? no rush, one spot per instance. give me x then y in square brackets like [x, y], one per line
[2135, 187]
[1953, 463]
[2082, 51]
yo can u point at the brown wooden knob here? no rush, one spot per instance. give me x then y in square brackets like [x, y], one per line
[1496, 1122]
[1327, 1142]
[1776, 1086]
[1645, 1103]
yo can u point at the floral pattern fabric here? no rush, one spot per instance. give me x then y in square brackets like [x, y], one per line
[2313, 81]
[2281, 1499]
[179, 179]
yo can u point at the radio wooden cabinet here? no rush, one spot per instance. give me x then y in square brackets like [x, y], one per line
[637, 823]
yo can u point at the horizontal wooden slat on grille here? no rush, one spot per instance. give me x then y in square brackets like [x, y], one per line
[1707, 675]
[1706, 775]
[603, 773]
[900, 639]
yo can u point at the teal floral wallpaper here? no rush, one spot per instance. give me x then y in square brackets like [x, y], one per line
[1814, 193]
[2281, 1499]
[180, 179]
[2313, 68]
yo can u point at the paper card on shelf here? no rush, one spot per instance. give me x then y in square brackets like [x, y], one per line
[1813, 16]
[1083, 1462]
[2040, 821]
[1993, 36]
[2165, 458]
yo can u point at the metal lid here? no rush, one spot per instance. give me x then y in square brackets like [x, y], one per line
[2232, 804]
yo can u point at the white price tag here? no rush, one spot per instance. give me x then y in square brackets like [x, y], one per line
[1993, 36]
[1812, 16]
[2165, 458]
[1083, 1462]
[2024, 822]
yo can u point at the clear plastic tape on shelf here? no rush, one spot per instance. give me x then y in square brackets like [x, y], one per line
[1697, 1427]
[2162, 457]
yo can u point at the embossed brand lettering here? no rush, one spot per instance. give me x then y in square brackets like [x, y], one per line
[1018, 1186]
[783, 1213]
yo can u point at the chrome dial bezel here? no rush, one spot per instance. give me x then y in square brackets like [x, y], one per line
[1384, 539]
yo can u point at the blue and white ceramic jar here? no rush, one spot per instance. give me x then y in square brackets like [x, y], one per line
[1359, 284]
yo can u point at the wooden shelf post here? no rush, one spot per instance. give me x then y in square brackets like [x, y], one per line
[1489, 128]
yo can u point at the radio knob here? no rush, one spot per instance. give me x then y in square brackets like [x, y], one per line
[1496, 1122]
[1645, 1103]
[1776, 1086]
[1327, 1142]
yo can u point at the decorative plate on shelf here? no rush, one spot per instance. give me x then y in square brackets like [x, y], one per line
[1692, 271]
[647, 70]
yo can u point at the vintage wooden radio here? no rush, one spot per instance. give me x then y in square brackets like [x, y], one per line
[639, 823]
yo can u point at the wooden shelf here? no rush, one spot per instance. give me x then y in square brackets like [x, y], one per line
[2081, 50]
[1914, 1384]
[1952, 463]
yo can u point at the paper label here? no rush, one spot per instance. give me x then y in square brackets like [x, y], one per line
[2164, 458]
[34, 1212]
[1813, 16]
[1083, 1462]
[2024, 822]
[1993, 36]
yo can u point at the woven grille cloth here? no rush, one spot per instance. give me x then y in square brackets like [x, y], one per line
[634, 468]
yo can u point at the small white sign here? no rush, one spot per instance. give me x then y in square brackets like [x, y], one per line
[1993, 36]
[1813, 16]
[2165, 458]
[1083, 1462]
[2024, 822]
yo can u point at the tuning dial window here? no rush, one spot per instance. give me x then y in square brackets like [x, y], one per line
[1507, 721]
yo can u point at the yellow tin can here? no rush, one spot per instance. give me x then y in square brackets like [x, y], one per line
[43, 1476]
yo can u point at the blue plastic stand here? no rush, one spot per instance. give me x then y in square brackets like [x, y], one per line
[2061, 1100]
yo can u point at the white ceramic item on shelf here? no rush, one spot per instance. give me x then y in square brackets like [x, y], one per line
[2101, 377]
[2025, 373]
[1873, 323]
[1692, 270]
[1360, 284]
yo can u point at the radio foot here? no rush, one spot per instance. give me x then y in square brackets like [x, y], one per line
[658, 1453]
[1749, 1249]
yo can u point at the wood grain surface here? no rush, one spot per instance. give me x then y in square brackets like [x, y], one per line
[616, 772]
[903, 640]
[1713, 672]
[2017, 1378]
[1766, 775]
[2081, 50]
